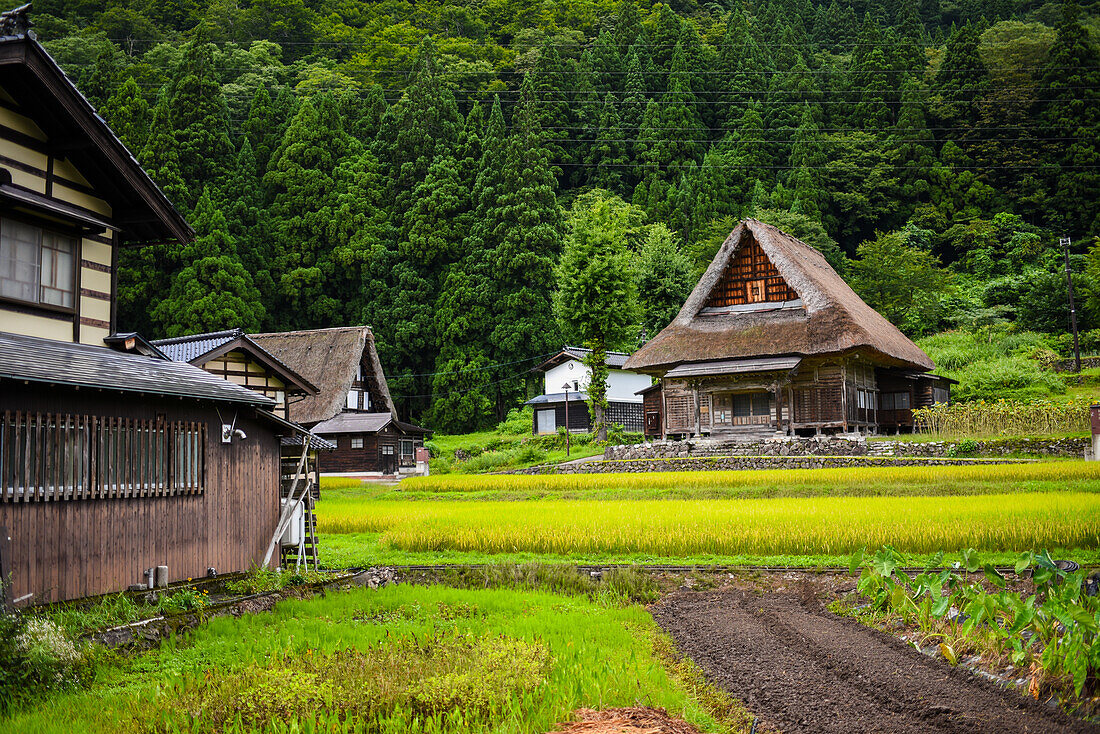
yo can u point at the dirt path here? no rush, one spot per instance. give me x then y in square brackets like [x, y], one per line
[802, 669]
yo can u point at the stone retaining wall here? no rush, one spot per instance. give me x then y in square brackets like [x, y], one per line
[735, 463]
[998, 447]
[1068, 365]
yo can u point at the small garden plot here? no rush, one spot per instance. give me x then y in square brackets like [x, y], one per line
[1038, 627]
[399, 659]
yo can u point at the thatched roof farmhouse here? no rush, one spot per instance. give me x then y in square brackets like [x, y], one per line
[352, 407]
[772, 340]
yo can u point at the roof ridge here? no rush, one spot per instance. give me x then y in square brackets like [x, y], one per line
[196, 337]
[300, 332]
[586, 349]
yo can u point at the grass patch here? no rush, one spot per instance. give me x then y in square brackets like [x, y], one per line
[776, 526]
[401, 658]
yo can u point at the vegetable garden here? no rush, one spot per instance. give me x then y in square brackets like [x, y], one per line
[981, 419]
[1053, 631]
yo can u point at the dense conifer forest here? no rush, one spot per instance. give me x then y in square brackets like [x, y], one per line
[436, 169]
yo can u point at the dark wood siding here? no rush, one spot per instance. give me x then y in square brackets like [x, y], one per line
[653, 409]
[73, 548]
[366, 459]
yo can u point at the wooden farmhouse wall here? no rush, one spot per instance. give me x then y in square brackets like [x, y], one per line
[25, 152]
[239, 368]
[76, 547]
[839, 393]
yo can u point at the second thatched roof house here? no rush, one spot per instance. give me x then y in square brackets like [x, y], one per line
[773, 341]
[352, 406]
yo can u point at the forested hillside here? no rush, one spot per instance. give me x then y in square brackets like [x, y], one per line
[421, 167]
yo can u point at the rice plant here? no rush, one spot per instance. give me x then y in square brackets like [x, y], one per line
[975, 478]
[776, 526]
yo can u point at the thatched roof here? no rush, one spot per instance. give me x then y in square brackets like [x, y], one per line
[329, 358]
[828, 317]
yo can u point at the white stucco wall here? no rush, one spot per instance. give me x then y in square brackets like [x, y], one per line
[621, 385]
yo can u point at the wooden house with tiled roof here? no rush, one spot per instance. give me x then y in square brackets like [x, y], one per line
[234, 356]
[113, 458]
[772, 341]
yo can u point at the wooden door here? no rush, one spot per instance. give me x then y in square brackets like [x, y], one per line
[389, 458]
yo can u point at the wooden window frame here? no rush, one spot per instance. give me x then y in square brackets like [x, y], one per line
[57, 229]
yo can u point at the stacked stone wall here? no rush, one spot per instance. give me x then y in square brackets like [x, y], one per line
[740, 463]
[990, 448]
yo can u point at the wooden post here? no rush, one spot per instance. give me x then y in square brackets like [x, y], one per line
[695, 393]
[844, 394]
[778, 407]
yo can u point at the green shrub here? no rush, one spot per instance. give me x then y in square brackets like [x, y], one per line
[966, 447]
[185, 600]
[36, 655]
[518, 421]
[439, 466]
[530, 454]
[433, 449]
[257, 580]
[997, 364]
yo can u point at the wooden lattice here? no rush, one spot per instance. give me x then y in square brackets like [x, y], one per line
[750, 275]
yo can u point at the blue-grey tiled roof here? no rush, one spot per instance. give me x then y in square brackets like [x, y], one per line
[557, 397]
[186, 348]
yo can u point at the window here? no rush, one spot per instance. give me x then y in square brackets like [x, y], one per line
[755, 291]
[357, 442]
[387, 449]
[940, 395]
[69, 457]
[353, 400]
[895, 401]
[723, 407]
[37, 266]
[408, 457]
[546, 421]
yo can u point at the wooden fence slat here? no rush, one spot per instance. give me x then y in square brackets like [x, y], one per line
[28, 469]
[5, 456]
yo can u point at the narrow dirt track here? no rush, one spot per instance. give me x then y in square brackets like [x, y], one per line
[801, 668]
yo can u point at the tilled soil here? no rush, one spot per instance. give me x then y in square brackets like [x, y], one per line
[801, 668]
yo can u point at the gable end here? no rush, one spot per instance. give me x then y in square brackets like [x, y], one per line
[749, 278]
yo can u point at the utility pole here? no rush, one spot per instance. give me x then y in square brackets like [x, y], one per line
[1065, 242]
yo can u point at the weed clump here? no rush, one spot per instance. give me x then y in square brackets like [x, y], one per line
[424, 677]
[36, 656]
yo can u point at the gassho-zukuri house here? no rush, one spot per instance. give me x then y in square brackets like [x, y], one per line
[772, 341]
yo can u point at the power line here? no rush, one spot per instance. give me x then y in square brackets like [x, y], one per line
[478, 369]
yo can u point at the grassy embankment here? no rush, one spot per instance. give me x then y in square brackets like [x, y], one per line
[794, 517]
[398, 659]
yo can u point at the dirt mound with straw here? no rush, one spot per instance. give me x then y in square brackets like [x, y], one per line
[636, 720]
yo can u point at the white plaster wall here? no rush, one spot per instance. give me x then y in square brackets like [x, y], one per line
[621, 385]
[569, 372]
